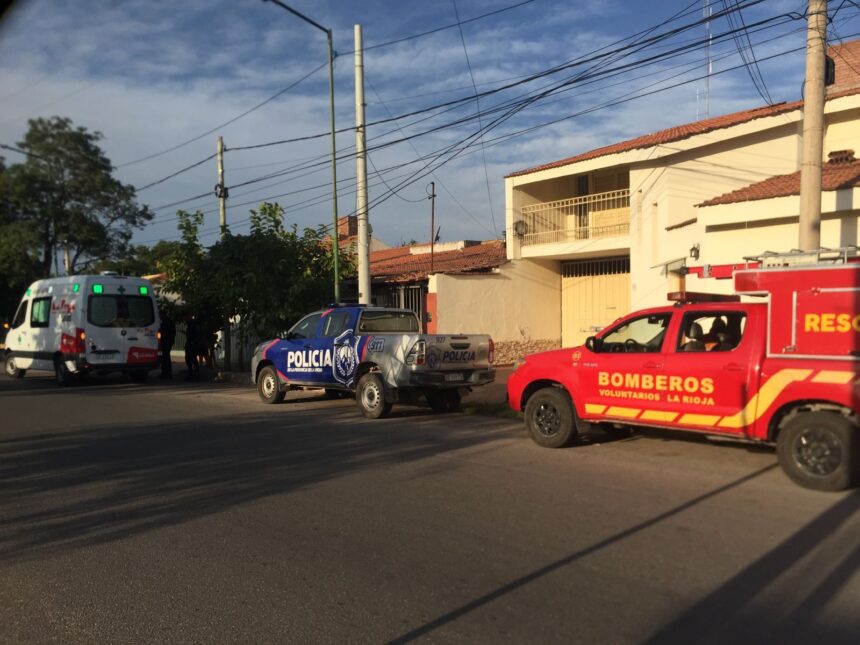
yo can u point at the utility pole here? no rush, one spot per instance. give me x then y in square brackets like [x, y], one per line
[221, 193]
[432, 199]
[361, 176]
[813, 128]
[335, 251]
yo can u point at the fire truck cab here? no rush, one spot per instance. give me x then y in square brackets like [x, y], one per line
[781, 368]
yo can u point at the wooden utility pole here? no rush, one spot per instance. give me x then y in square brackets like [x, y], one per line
[221, 193]
[813, 128]
[361, 176]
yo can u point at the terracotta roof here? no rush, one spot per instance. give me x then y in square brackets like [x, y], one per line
[841, 171]
[400, 265]
[680, 132]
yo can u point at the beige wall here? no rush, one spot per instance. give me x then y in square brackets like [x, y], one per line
[521, 302]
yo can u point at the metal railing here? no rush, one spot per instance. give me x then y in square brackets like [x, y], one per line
[577, 218]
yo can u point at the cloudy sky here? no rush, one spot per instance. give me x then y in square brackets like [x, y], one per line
[162, 79]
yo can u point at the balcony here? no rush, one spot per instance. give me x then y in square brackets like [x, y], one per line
[574, 219]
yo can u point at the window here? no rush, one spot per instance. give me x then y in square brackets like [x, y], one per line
[335, 323]
[40, 312]
[643, 334]
[711, 331]
[305, 328]
[388, 321]
[120, 311]
[20, 315]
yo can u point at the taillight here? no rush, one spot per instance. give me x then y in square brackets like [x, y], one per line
[491, 352]
[73, 344]
[418, 354]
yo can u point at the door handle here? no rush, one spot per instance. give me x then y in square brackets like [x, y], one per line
[733, 367]
[651, 365]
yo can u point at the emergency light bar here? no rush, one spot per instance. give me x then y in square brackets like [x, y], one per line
[693, 296]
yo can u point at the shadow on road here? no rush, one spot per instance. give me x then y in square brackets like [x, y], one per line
[70, 489]
[720, 617]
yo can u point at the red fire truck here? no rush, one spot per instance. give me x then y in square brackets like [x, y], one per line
[783, 370]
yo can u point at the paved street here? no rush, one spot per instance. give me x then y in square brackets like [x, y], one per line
[192, 513]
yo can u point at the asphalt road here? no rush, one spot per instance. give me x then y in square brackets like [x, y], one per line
[195, 514]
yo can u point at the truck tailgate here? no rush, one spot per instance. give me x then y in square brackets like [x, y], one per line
[457, 352]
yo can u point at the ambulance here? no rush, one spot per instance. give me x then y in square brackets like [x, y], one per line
[780, 367]
[75, 325]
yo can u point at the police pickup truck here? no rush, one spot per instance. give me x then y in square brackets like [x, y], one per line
[377, 353]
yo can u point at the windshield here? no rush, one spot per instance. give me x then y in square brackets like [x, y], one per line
[120, 311]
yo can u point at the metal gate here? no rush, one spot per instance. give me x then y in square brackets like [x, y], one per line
[412, 297]
[593, 294]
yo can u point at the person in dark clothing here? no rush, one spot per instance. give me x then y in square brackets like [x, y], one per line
[167, 330]
[192, 348]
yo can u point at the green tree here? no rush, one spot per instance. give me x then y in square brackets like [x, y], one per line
[65, 193]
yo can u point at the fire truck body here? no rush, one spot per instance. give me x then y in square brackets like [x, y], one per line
[782, 371]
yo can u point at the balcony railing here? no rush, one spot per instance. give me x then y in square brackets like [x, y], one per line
[577, 218]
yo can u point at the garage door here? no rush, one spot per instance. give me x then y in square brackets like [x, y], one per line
[593, 294]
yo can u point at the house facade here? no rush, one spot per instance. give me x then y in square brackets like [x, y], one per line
[621, 222]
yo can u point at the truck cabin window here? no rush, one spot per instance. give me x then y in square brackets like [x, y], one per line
[388, 321]
[120, 311]
[305, 328]
[335, 323]
[711, 331]
[40, 313]
[20, 315]
[640, 335]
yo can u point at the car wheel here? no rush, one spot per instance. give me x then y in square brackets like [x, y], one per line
[12, 370]
[820, 450]
[370, 395]
[550, 418]
[62, 374]
[268, 386]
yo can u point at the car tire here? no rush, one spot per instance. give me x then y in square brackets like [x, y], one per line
[62, 374]
[9, 367]
[371, 398]
[820, 450]
[550, 418]
[268, 386]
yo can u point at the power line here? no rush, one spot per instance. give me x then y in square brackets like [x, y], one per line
[177, 173]
[226, 123]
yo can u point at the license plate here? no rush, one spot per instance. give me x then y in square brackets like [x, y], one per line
[454, 376]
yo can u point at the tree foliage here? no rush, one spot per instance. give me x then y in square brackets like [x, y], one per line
[65, 194]
[268, 278]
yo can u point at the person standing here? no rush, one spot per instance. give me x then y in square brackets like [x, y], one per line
[192, 343]
[167, 330]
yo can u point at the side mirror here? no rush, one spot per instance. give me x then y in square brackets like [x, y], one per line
[593, 344]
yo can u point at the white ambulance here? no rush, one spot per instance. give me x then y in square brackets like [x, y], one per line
[85, 323]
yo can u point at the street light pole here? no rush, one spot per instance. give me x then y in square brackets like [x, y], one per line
[334, 247]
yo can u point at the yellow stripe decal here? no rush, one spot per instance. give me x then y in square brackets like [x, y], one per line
[593, 408]
[699, 419]
[833, 377]
[656, 415]
[627, 413]
[761, 400]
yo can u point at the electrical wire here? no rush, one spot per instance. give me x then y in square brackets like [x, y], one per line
[177, 173]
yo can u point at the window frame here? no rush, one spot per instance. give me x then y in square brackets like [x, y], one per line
[21, 313]
[666, 316]
[345, 314]
[40, 324]
[691, 315]
[291, 334]
[94, 296]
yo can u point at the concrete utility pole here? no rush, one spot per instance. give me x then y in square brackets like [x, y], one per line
[221, 193]
[361, 176]
[432, 199]
[813, 128]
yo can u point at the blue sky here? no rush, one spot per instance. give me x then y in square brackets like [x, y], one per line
[152, 75]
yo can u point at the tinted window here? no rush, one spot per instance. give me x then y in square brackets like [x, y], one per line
[120, 311]
[388, 321]
[643, 334]
[305, 328]
[711, 331]
[20, 315]
[40, 312]
[335, 323]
